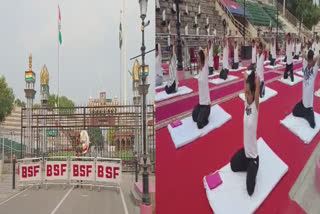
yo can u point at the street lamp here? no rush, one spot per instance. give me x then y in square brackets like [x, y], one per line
[179, 46]
[143, 90]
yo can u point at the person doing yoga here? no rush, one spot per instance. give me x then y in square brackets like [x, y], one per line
[297, 49]
[159, 73]
[247, 159]
[235, 64]
[260, 68]
[289, 58]
[201, 112]
[304, 108]
[225, 64]
[253, 55]
[172, 85]
[272, 55]
[210, 58]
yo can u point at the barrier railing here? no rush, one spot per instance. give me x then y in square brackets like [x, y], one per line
[234, 21]
[56, 170]
[90, 171]
[30, 171]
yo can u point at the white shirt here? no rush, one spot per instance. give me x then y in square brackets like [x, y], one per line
[260, 63]
[173, 71]
[158, 65]
[210, 60]
[289, 53]
[250, 123]
[316, 49]
[204, 95]
[225, 64]
[308, 84]
[298, 48]
[254, 54]
[236, 54]
[273, 51]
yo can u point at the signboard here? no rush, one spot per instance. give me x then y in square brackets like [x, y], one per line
[108, 171]
[56, 170]
[52, 132]
[82, 170]
[30, 171]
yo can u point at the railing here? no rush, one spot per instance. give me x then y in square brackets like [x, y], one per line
[293, 20]
[234, 21]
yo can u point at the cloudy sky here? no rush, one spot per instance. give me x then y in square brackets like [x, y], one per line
[89, 54]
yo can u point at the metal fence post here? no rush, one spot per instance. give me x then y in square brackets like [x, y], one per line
[14, 171]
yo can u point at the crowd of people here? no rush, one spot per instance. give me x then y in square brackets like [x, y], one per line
[247, 159]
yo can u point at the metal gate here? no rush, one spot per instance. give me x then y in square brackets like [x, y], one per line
[114, 132]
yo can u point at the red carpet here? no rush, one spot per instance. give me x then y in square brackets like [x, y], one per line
[179, 172]
[175, 108]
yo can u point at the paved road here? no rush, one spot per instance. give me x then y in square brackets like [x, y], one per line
[57, 200]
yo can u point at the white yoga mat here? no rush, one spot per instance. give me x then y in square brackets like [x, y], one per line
[301, 128]
[218, 81]
[236, 70]
[287, 81]
[300, 73]
[317, 93]
[247, 71]
[209, 76]
[269, 93]
[273, 67]
[232, 196]
[188, 131]
[266, 62]
[161, 86]
[181, 91]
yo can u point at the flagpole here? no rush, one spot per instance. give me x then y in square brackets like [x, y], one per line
[120, 100]
[58, 54]
[124, 51]
[58, 69]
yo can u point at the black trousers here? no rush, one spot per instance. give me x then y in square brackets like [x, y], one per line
[262, 89]
[296, 57]
[240, 163]
[289, 68]
[235, 65]
[200, 115]
[210, 70]
[171, 89]
[272, 62]
[307, 113]
[252, 67]
[224, 74]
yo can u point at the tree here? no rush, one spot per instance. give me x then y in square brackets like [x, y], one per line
[6, 99]
[110, 135]
[66, 104]
[305, 11]
[96, 137]
[36, 105]
[20, 103]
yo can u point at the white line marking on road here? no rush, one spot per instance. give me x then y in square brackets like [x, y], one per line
[124, 202]
[15, 195]
[64, 198]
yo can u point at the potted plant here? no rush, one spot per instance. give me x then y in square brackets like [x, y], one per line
[216, 57]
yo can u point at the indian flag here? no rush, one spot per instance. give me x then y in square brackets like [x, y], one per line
[30, 76]
[59, 26]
